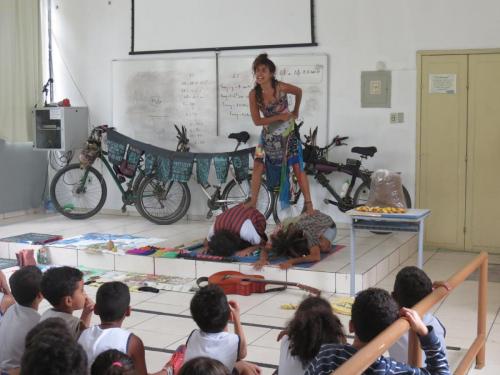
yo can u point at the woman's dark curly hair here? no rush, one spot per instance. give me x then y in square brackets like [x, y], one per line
[290, 242]
[262, 59]
[225, 243]
[314, 324]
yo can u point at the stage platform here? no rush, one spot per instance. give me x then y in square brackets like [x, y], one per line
[377, 255]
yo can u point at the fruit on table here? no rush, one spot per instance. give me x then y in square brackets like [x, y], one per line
[381, 210]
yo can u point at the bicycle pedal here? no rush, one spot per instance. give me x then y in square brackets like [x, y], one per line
[329, 201]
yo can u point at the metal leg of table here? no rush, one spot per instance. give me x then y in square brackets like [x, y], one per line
[353, 260]
[421, 244]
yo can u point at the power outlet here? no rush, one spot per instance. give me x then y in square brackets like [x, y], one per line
[397, 117]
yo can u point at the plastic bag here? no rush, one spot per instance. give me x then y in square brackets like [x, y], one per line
[386, 190]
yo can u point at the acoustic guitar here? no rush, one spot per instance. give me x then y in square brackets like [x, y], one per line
[233, 282]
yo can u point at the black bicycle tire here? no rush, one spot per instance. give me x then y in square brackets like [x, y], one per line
[176, 216]
[60, 208]
[231, 184]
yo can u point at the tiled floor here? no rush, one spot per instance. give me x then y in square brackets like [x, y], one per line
[164, 322]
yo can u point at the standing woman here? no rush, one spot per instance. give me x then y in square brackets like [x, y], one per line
[278, 148]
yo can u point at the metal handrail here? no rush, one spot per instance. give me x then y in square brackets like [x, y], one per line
[380, 344]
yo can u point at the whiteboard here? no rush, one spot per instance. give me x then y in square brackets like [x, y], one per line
[309, 72]
[150, 96]
[167, 26]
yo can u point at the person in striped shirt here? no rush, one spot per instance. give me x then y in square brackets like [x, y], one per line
[372, 312]
[237, 231]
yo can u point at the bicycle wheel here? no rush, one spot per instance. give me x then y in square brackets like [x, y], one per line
[238, 192]
[162, 202]
[78, 193]
[295, 208]
[363, 191]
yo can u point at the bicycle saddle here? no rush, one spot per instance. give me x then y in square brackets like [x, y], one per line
[240, 137]
[365, 151]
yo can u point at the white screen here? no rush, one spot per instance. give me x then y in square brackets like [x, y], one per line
[168, 25]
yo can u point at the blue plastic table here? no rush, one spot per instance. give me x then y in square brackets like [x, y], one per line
[411, 221]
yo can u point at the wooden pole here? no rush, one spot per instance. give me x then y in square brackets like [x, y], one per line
[482, 312]
[366, 356]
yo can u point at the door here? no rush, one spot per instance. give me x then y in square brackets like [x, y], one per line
[483, 150]
[443, 144]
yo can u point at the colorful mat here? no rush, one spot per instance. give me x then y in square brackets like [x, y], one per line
[106, 243]
[194, 254]
[33, 238]
[158, 252]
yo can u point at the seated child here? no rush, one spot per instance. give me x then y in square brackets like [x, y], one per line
[63, 288]
[313, 325]
[6, 298]
[204, 366]
[373, 311]
[237, 231]
[302, 239]
[211, 312]
[52, 349]
[113, 306]
[21, 317]
[410, 287]
[113, 362]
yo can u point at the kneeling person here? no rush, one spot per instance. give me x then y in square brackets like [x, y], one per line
[237, 231]
[302, 239]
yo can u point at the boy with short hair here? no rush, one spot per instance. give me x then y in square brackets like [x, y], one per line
[211, 311]
[63, 288]
[113, 306]
[373, 311]
[411, 286]
[21, 317]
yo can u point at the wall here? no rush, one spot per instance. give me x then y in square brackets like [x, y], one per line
[356, 34]
[23, 176]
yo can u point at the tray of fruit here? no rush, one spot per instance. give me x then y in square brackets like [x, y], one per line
[381, 210]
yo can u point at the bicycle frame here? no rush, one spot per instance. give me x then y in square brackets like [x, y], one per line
[213, 198]
[113, 175]
[355, 173]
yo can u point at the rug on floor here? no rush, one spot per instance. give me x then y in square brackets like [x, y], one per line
[194, 254]
[33, 238]
[105, 242]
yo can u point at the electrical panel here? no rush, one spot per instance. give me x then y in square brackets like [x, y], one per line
[60, 128]
[376, 89]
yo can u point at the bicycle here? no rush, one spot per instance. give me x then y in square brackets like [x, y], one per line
[318, 166]
[155, 195]
[79, 191]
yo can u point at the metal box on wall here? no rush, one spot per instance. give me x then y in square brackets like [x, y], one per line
[60, 128]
